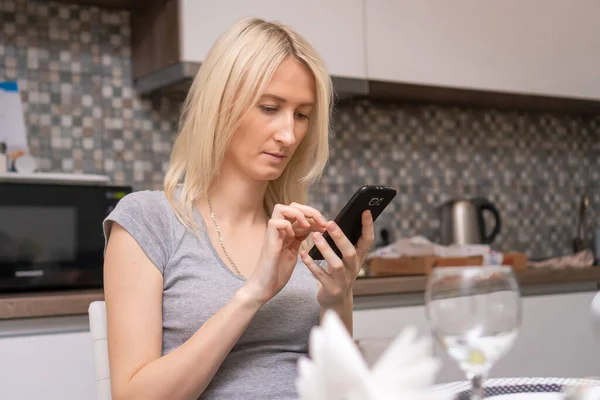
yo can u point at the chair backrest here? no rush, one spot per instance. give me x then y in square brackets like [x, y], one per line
[595, 314]
[97, 316]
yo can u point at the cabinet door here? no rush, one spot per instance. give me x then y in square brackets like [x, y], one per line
[557, 339]
[375, 329]
[333, 27]
[387, 323]
[47, 366]
[548, 47]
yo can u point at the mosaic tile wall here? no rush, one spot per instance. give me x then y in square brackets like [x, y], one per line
[533, 167]
[73, 66]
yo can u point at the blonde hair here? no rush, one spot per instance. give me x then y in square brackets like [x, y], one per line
[229, 82]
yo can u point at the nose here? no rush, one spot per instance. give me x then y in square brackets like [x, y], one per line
[285, 133]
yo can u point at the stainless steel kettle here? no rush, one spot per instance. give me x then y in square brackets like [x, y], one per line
[462, 222]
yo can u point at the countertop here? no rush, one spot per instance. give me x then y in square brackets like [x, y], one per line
[47, 304]
[528, 277]
[532, 281]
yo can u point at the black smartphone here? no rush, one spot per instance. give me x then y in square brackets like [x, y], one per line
[369, 197]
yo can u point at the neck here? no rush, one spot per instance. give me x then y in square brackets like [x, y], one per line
[237, 199]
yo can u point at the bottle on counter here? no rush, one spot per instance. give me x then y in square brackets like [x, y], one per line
[385, 238]
[3, 158]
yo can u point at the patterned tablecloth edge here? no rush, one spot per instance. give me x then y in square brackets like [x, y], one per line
[460, 386]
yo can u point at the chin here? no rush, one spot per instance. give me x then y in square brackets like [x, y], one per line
[266, 174]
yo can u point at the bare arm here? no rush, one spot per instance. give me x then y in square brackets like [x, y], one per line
[133, 294]
[344, 311]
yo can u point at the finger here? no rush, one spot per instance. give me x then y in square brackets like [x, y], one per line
[290, 213]
[343, 243]
[319, 273]
[312, 214]
[294, 215]
[283, 230]
[336, 265]
[367, 236]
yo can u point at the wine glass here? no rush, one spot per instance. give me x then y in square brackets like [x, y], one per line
[475, 314]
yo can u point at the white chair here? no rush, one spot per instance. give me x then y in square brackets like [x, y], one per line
[596, 305]
[97, 316]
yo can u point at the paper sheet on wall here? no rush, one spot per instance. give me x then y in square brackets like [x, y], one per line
[12, 120]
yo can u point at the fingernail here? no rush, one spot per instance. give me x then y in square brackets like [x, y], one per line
[317, 237]
[332, 227]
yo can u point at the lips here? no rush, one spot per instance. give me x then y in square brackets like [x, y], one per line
[278, 155]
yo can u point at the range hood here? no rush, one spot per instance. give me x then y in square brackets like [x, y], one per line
[175, 81]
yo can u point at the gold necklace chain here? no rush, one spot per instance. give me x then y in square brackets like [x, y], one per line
[212, 216]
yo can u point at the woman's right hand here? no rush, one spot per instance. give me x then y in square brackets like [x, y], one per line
[286, 230]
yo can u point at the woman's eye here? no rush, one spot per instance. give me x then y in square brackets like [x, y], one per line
[302, 116]
[268, 109]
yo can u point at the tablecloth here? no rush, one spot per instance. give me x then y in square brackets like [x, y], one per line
[499, 386]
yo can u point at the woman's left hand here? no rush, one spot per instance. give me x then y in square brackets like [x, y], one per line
[335, 283]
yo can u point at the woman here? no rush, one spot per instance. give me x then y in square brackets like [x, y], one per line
[209, 291]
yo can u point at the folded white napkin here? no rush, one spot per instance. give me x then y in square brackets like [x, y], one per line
[336, 370]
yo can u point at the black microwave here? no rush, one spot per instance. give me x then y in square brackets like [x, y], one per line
[51, 234]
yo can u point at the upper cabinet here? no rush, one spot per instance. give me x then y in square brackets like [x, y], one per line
[334, 27]
[534, 47]
[538, 54]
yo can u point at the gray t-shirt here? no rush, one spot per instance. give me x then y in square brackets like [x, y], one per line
[197, 284]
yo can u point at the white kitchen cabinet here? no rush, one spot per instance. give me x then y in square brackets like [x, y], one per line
[546, 47]
[557, 338]
[334, 27]
[57, 366]
[374, 329]
[385, 323]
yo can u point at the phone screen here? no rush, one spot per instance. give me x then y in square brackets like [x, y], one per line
[369, 197]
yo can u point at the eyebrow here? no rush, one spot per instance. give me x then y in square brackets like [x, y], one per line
[282, 100]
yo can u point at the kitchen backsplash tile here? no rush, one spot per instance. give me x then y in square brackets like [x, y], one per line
[533, 166]
[73, 63]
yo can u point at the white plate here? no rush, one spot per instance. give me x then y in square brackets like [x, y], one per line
[527, 396]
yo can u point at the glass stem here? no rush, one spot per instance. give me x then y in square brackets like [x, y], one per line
[477, 386]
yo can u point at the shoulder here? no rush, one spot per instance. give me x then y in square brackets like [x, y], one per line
[143, 201]
[146, 207]
[150, 206]
[147, 216]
